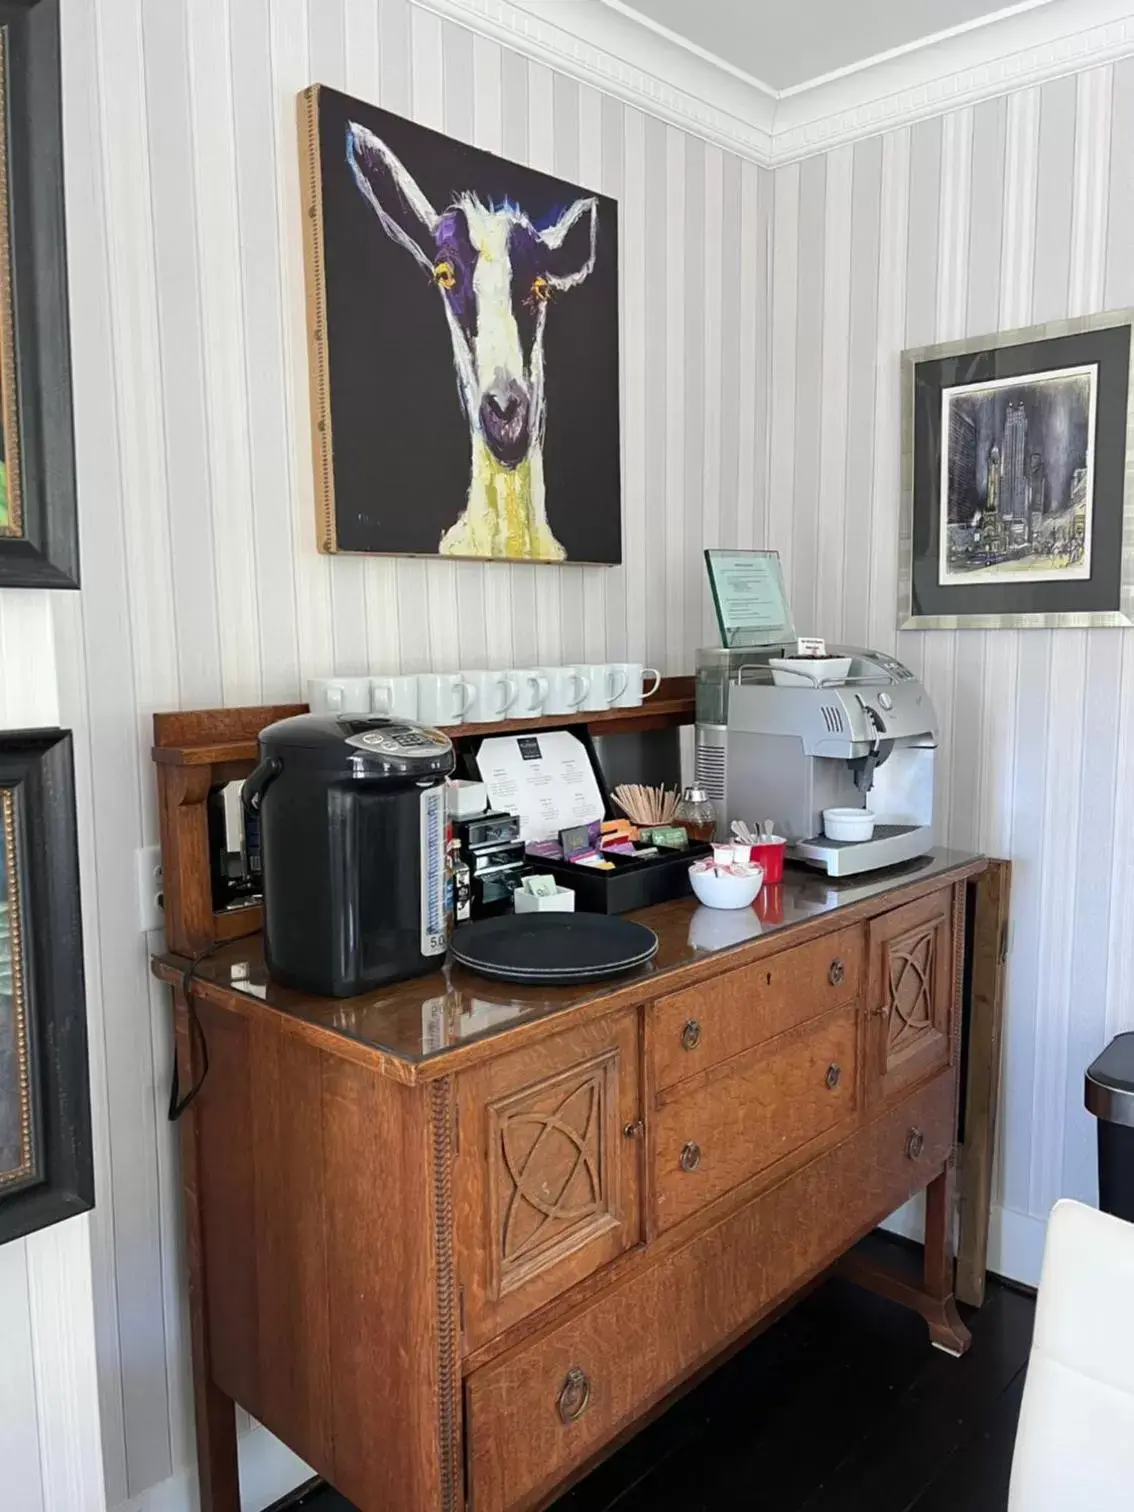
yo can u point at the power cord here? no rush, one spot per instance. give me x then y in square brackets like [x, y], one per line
[177, 1103]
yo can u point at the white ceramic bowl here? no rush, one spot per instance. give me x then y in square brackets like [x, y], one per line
[808, 671]
[725, 891]
[721, 928]
[848, 823]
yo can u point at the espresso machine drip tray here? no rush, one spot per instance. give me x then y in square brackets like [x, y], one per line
[889, 845]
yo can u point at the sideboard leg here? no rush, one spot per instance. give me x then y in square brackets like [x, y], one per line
[946, 1331]
[215, 1412]
[933, 1299]
[216, 1447]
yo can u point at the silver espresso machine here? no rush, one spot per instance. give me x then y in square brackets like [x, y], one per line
[868, 740]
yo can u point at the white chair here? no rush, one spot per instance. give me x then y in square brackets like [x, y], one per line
[1075, 1442]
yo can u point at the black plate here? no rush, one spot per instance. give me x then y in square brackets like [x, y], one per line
[553, 949]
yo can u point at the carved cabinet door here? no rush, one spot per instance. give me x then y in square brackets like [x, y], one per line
[910, 995]
[548, 1170]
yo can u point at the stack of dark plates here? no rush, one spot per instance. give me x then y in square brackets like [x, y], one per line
[553, 950]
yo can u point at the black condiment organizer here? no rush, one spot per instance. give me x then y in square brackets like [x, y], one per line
[634, 883]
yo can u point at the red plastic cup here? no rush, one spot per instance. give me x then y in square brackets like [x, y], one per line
[769, 903]
[770, 854]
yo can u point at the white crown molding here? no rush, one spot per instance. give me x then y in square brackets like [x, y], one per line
[1019, 51]
[624, 58]
[652, 69]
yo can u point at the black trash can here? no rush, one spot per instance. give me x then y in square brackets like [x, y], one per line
[1110, 1097]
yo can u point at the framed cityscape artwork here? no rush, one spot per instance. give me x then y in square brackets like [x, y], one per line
[46, 1167]
[463, 334]
[39, 543]
[1018, 479]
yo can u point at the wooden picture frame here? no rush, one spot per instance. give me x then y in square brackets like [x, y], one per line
[39, 542]
[423, 445]
[46, 1160]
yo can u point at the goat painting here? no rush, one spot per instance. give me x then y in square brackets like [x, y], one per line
[466, 308]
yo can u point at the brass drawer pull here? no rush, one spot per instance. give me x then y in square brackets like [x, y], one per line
[836, 972]
[691, 1156]
[915, 1144]
[634, 1130]
[833, 1077]
[574, 1395]
[691, 1035]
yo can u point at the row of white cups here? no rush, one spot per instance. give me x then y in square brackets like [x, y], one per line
[480, 697]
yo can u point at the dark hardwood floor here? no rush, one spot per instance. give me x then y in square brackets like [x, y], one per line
[842, 1406]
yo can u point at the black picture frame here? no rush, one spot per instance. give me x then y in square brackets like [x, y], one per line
[47, 1169]
[1096, 517]
[39, 540]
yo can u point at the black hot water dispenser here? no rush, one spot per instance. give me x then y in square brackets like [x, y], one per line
[352, 834]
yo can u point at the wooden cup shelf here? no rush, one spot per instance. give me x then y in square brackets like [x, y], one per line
[197, 750]
[197, 739]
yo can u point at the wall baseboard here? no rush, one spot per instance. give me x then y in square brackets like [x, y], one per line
[269, 1471]
[1015, 1240]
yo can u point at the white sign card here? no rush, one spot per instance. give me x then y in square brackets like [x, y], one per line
[547, 779]
[749, 597]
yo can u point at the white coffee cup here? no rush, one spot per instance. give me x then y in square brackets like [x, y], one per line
[339, 695]
[443, 698]
[494, 695]
[567, 689]
[396, 697]
[531, 692]
[608, 683]
[635, 690]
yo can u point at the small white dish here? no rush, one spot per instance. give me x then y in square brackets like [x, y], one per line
[809, 671]
[848, 823]
[725, 889]
[560, 901]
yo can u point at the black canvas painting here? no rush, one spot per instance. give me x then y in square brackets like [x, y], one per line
[464, 345]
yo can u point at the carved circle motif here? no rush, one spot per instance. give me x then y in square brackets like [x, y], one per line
[911, 997]
[559, 1134]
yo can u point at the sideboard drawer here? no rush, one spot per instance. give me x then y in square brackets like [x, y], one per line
[546, 1407]
[708, 1136]
[694, 1029]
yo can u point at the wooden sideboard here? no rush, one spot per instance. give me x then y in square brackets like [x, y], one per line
[451, 1240]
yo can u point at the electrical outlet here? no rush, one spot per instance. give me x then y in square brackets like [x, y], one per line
[147, 868]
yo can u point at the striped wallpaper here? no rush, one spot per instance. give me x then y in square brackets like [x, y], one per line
[201, 581]
[50, 1454]
[1018, 210]
[762, 317]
